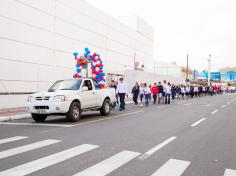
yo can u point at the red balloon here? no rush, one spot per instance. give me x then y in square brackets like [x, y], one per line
[101, 77]
[98, 65]
[100, 70]
[102, 86]
[94, 54]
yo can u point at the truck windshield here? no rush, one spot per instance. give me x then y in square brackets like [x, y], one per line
[65, 85]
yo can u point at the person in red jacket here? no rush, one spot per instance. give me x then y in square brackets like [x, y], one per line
[154, 90]
[215, 89]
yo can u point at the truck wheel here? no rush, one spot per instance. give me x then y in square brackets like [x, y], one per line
[106, 107]
[38, 117]
[74, 113]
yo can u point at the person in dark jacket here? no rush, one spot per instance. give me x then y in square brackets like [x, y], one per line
[160, 92]
[135, 92]
[173, 91]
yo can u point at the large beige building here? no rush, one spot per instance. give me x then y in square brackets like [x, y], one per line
[37, 39]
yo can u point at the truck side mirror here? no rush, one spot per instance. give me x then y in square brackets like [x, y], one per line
[84, 88]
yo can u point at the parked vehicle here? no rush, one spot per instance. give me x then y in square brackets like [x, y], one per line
[70, 98]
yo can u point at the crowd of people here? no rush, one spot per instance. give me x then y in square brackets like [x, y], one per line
[160, 93]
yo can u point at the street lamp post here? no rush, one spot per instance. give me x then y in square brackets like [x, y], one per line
[209, 70]
[187, 70]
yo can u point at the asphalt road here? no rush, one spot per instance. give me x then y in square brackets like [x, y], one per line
[189, 137]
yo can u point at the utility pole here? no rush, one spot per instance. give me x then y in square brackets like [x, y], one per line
[209, 71]
[187, 70]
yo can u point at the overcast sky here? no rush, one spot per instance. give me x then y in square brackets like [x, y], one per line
[196, 27]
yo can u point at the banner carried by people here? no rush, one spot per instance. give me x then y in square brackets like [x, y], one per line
[94, 62]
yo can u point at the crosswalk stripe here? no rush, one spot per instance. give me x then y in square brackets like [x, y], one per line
[25, 148]
[11, 139]
[156, 148]
[47, 161]
[172, 167]
[108, 165]
[230, 172]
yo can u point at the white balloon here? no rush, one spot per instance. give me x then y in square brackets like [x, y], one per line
[97, 69]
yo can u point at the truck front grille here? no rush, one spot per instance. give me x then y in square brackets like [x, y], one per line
[42, 98]
[41, 107]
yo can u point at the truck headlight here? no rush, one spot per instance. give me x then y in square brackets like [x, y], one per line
[30, 98]
[59, 98]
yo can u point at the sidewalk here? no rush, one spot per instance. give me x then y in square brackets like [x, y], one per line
[13, 114]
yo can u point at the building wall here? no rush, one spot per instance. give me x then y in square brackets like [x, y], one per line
[37, 39]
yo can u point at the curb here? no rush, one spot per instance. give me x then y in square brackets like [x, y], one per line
[14, 117]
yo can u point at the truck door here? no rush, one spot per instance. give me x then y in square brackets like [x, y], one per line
[89, 96]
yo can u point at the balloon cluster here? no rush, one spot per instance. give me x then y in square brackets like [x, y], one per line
[96, 66]
[97, 69]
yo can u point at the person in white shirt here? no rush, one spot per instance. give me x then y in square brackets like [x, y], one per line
[122, 91]
[147, 93]
[196, 91]
[188, 91]
[167, 93]
[141, 92]
[164, 85]
[182, 91]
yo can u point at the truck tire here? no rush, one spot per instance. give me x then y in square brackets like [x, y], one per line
[38, 117]
[74, 112]
[106, 107]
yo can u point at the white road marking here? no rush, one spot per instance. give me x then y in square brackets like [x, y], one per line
[230, 172]
[108, 165]
[172, 167]
[26, 148]
[156, 148]
[187, 104]
[47, 161]
[229, 102]
[36, 124]
[223, 106]
[11, 139]
[208, 105]
[199, 121]
[213, 112]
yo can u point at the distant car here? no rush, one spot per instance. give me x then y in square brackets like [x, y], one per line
[70, 98]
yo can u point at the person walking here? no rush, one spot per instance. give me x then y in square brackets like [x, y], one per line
[141, 92]
[147, 93]
[173, 91]
[188, 92]
[154, 91]
[196, 91]
[160, 92]
[113, 85]
[122, 92]
[167, 93]
[183, 91]
[135, 92]
[164, 92]
[192, 91]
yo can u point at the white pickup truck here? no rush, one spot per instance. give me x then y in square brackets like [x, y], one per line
[70, 98]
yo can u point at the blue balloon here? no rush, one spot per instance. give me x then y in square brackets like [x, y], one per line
[98, 55]
[86, 49]
[102, 74]
[100, 67]
[75, 54]
[78, 70]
